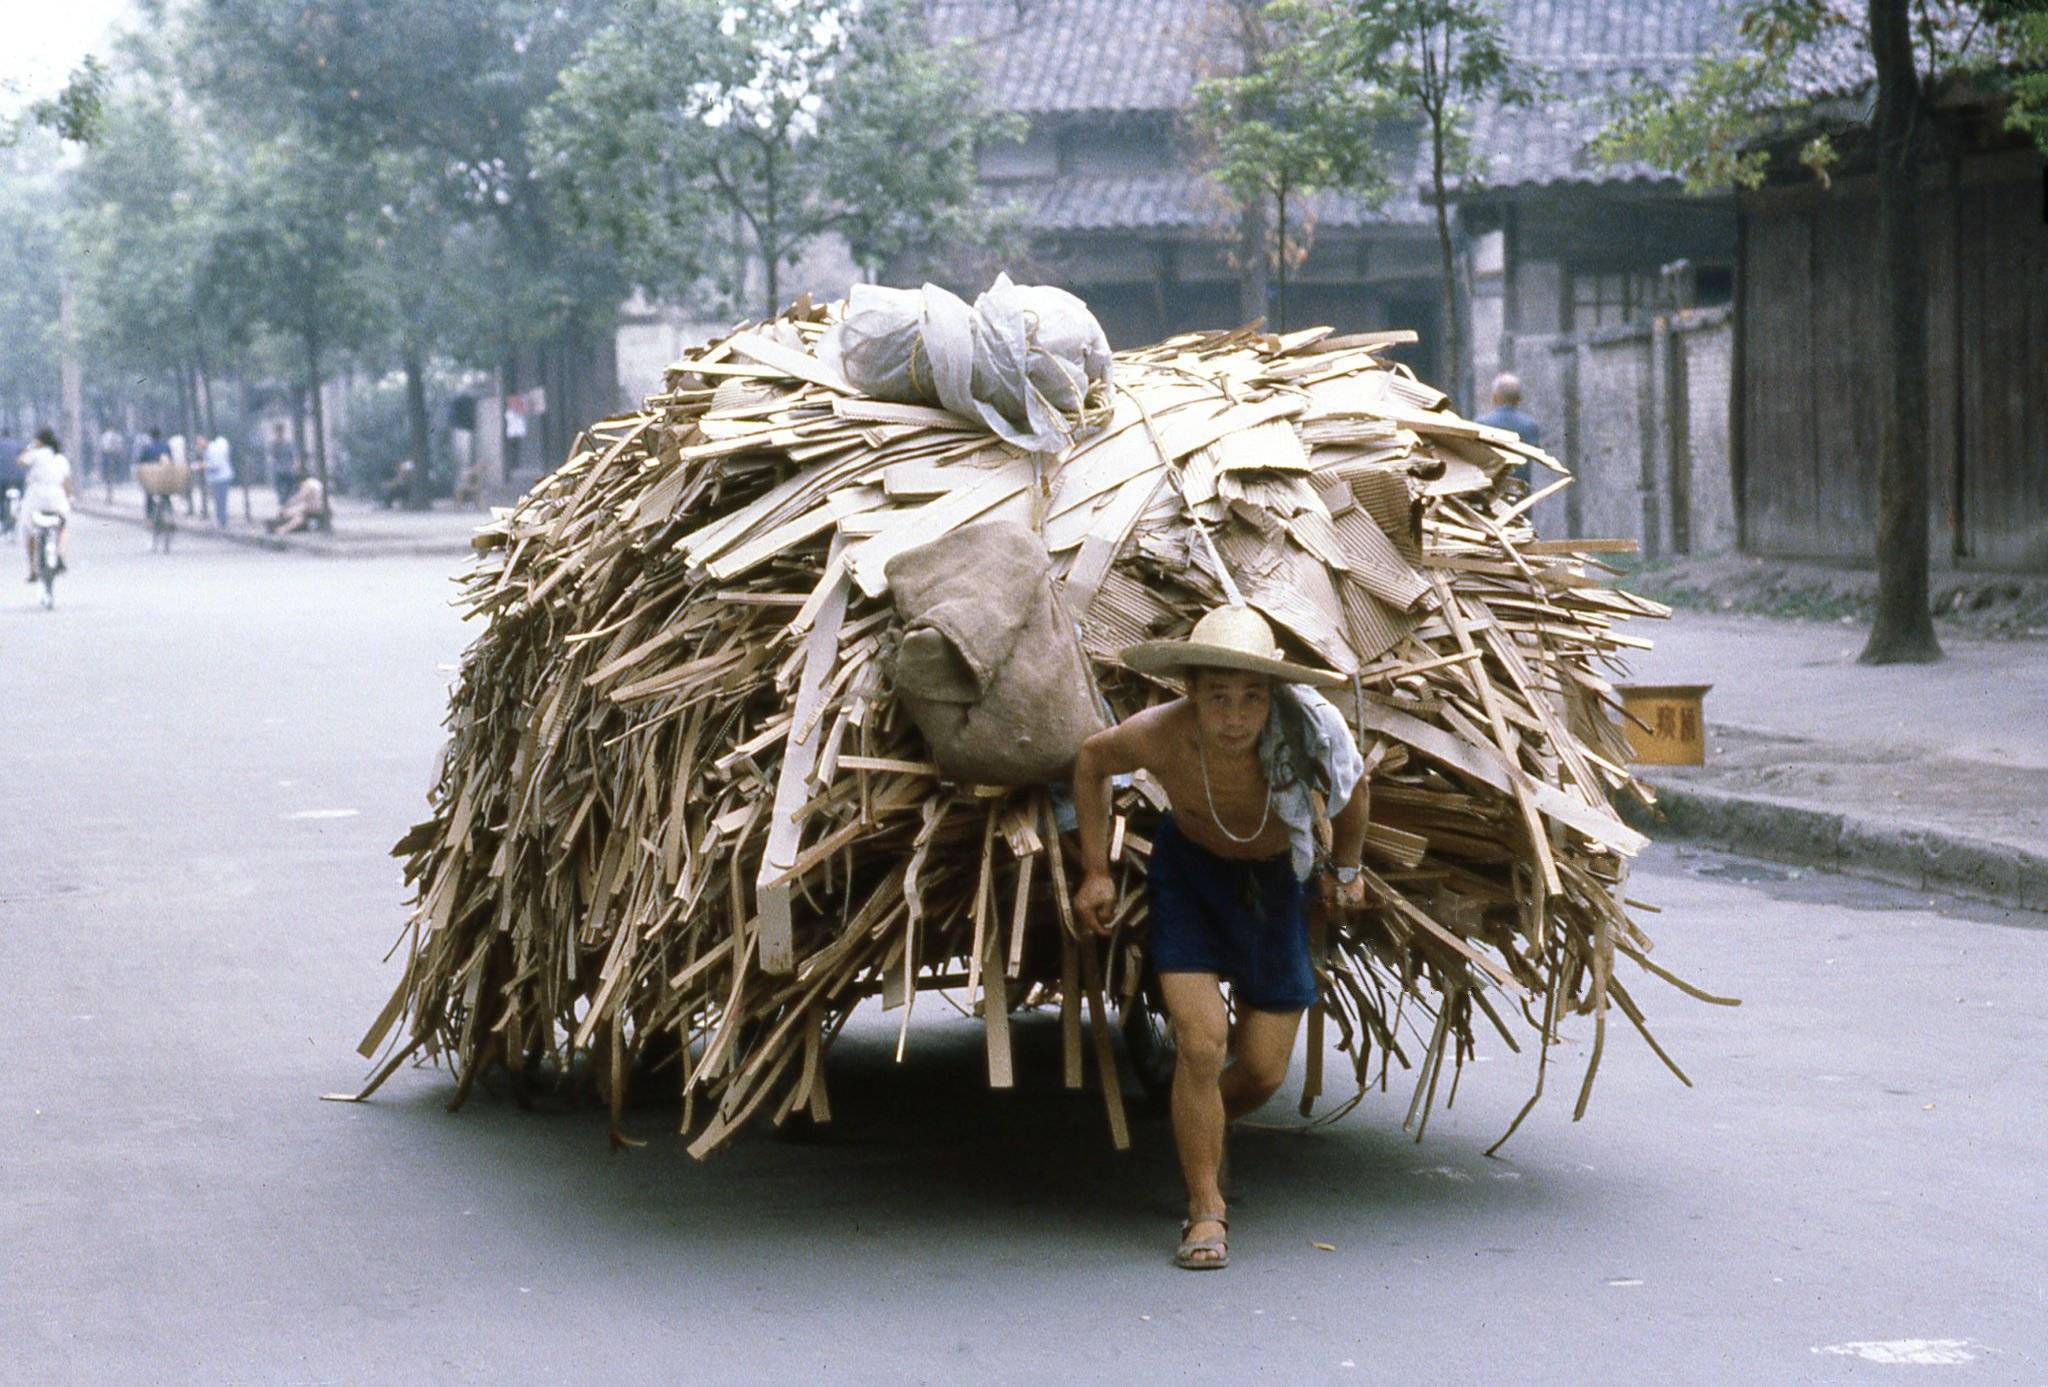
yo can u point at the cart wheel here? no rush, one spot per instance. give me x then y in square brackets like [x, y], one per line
[1148, 1041]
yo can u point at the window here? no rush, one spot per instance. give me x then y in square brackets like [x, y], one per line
[1608, 299]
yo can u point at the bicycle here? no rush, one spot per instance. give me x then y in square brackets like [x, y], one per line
[162, 524]
[44, 527]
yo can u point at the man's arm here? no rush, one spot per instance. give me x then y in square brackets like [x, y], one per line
[1115, 751]
[1347, 845]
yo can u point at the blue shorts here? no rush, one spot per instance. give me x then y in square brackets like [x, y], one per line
[1240, 920]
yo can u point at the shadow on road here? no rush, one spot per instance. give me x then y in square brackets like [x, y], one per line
[926, 1151]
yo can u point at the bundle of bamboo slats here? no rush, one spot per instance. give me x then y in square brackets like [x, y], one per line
[682, 827]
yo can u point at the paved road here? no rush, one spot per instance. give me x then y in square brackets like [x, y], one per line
[211, 754]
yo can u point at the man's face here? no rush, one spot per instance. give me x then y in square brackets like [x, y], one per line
[1230, 707]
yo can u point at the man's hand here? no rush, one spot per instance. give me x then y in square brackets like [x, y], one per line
[1339, 895]
[1095, 901]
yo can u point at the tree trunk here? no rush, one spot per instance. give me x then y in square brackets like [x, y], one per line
[1251, 273]
[771, 238]
[319, 419]
[203, 388]
[186, 421]
[1280, 255]
[417, 426]
[1452, 366]
[299, 453]
[1903, 631]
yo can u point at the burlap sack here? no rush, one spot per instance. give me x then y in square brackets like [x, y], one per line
[164, 478]
[989, 666]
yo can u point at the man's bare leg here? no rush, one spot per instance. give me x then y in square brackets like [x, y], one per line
[1201, 1040]
[1263, 1047]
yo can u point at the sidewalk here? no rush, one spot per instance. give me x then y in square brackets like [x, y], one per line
[1932, 775]
[362, 529]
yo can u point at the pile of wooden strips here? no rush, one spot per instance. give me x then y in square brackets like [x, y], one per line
[682, 828]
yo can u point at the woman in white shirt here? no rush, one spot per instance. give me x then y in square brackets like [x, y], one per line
[46, 486]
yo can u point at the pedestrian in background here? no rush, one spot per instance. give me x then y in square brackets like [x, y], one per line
[1507, 414]
[1507, 411]
[113, 454]
[196, 451]
[220, 475]
[284, 465]
[10, 475]
[153, 450]
[179, 455]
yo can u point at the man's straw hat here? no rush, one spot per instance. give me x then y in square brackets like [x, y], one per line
[1227, 638]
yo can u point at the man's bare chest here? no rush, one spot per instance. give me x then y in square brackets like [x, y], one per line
[1225, 808]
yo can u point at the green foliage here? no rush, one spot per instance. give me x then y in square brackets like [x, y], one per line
[437, 96]
[1436, 59]
[377, 436]
[1712, 127]
[1294, 123]
[30, 244]
[144, 207]
[2028, 33]
[73, 114]
[692, 137]
[1708, 131]
[291, 248]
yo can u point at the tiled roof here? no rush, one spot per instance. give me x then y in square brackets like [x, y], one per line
[1127, 57]
[1602, 33]
[1045, 57]
[1589, 51]
[1546, 144]
[1173, 202]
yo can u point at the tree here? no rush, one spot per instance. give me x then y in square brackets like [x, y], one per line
[142, 210]
[30, 242]
[74, 113]
[1718, 129]
[442, 94]
[432, 276]
[695, 138]
[291, 255]
[1435, 59]
[1290, 125]
[1903, 630]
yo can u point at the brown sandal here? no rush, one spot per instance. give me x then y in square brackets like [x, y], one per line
[1219, 1248]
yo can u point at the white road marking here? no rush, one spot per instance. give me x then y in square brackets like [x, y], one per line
[1905, 1352]
[324, 814]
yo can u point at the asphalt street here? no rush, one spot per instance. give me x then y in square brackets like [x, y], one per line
[210, 756]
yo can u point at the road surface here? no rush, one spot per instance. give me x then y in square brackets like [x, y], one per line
[211, 754]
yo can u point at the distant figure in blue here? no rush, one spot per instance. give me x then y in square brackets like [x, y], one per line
[10, 475]
[1507, 410]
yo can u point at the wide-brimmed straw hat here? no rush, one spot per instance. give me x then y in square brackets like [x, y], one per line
[1227, 638]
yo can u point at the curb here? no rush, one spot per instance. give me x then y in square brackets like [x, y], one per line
[1913, 855]
[279, 544]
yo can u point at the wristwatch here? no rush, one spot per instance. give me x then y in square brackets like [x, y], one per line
[1345, 875]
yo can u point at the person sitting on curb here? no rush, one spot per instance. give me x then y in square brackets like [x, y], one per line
[397, 490]
[1238, 758]
[307, 506]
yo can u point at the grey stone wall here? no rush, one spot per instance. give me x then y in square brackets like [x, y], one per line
[1643, 414]
[1709, 356]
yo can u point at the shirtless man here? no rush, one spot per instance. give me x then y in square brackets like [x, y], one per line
[1228, 873]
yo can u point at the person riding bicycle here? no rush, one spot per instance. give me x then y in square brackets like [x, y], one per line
[46, 487]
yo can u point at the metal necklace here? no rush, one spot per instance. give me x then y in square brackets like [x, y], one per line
[1210, 794]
